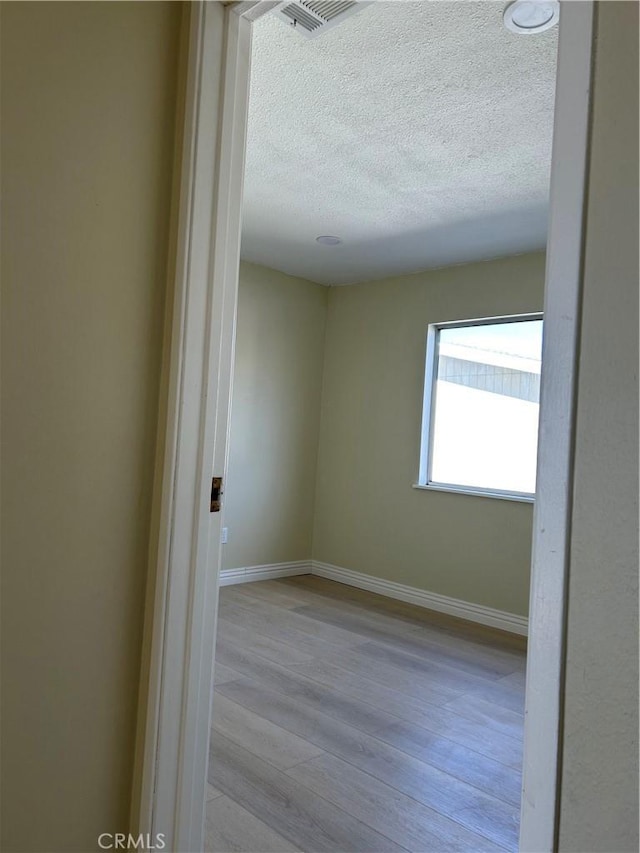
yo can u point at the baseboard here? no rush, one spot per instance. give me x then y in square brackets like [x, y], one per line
[263, 573]
[431, 600]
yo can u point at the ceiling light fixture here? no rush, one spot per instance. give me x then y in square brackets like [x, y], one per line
[328, 240]
[528, 17]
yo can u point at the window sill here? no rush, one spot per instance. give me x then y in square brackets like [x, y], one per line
[478, 493]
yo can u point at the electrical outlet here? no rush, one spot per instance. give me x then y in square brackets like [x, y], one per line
[225, 535]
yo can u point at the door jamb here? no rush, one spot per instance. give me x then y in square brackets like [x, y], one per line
[542, 764]
[177, 670]
[176, 685]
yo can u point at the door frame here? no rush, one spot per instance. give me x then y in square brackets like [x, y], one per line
[553, 510]
[185, 549]
[170, 765]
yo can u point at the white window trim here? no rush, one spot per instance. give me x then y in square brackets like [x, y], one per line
[519, 497]
[428, 412]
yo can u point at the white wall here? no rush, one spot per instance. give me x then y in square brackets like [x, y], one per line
[599, 790]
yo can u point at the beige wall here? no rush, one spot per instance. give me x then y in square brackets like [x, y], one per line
[368, 518]
[88, 94]
[275, 418]
[599, 794]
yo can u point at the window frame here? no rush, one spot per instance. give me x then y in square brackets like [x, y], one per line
[428, 411]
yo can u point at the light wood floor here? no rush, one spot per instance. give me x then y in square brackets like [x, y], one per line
[345, 721]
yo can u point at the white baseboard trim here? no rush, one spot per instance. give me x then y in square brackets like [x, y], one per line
[263, 573]
[431, 600]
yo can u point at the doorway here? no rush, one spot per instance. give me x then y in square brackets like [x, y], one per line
[578, 185]
[326, 405]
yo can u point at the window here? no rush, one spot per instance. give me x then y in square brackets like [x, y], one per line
[481, 405]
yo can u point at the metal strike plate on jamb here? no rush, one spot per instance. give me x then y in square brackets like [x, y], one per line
[216, 494]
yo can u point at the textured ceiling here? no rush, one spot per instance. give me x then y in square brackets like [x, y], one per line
[419, 132]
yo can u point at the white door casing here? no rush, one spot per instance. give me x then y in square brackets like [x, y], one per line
[554, 499]
[169, 797]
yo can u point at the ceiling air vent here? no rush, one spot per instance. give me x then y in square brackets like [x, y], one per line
[312, 17]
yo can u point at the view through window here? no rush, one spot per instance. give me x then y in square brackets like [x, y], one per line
[482, 405]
